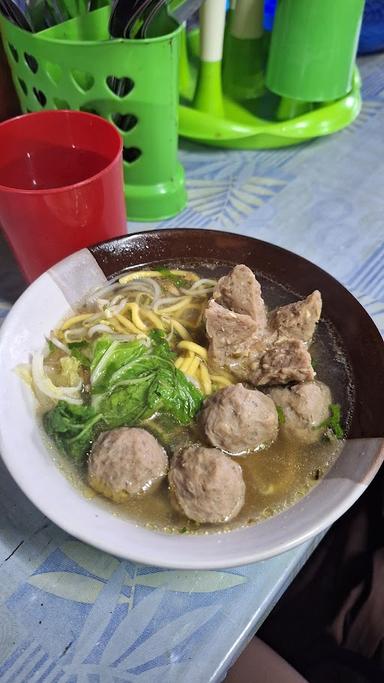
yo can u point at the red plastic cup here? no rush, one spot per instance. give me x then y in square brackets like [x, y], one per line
[61, 185]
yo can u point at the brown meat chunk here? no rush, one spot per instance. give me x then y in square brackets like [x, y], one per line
[242, 342]
[297, 320]
[235, 346]
[125, 462]
[286, 361]
[233, 338]
[208, 485]
[237, 420]
[241, 292]
[305, 407]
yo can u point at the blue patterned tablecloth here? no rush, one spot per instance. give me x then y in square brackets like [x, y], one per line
[72, 614]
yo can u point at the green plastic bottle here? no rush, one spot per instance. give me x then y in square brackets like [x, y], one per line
[313, 48]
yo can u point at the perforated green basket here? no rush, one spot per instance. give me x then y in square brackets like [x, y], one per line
[132, 83]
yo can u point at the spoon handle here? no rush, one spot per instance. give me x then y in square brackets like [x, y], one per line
[212, 24]
[209, 94]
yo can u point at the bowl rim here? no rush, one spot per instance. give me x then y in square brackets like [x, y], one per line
[250, 554]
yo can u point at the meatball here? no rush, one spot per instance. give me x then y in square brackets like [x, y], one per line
[237, 419]
[208, 486]
[125, 462]
[305, 407]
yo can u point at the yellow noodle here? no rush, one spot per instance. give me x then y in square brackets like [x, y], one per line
[126, 324]
[194, 366]
[184, 367]
[75, 319]
[221, 381]
[121, 324]
[179, 361]
[223, 373]
[205, 379]
[137, 321]
[175, 307]
[179, 328]
[195, 348]
[139, 274]
[150, 315]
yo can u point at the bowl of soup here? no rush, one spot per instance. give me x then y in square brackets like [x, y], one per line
[190, 398]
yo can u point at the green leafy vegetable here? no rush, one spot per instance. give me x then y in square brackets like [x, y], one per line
[280, 415]
[72, 427]
[111, 362]
[99, 347]
[51, 346]
[160, 345]
[129, 383]
[333, 422]
[147, 382]
[176, 280]
[126, 405]
[171, 392]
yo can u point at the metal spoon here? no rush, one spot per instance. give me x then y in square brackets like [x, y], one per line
[121, 12]
[181, 13]
[58, 11]
[16, 15]
[135, 25]
[94, 4]
[40, 14]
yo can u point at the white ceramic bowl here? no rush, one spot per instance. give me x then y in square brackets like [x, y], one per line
[27, 458]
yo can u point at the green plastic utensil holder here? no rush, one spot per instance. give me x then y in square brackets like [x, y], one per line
[75, 65]
[248, 127]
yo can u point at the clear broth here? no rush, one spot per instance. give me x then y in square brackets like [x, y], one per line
[275, 477]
